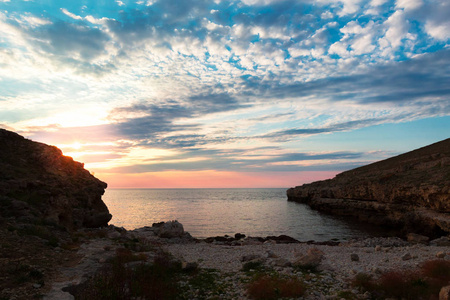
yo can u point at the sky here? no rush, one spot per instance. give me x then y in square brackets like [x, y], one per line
[216, 93]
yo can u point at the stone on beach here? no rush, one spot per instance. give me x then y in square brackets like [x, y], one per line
[170, 229]
[311, 259]
[415, 238]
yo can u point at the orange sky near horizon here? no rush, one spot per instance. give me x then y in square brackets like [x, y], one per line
[212, 179]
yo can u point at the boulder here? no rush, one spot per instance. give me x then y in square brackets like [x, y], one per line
[171, 229]
[406, 256]
[310, 260]
[415, 238]
[354, 257]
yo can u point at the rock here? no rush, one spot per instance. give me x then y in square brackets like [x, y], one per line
[417, 238]
[170, 229]
[410, 191]
[250, 257]
[271, 254]
[251, 241]
[444, 294]
[37, 285]
[239, 236]
[312, 259]
[54, 187]
[377, 248]
[281, 262]
[440, 254]
[189, 266]
[354, 257]
[113, 234]
[282, 239]
[406, 256]
[443, 241]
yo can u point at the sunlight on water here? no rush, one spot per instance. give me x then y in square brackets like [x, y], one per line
[211, 212]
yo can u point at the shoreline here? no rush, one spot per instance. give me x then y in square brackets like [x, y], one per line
[227, 259]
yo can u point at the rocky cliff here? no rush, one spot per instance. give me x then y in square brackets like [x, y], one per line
[38, 184]
[411, 190]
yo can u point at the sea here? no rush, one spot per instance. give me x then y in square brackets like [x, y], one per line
[218, 212]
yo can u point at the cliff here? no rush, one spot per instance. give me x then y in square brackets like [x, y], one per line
[38, 184]
[411, 190]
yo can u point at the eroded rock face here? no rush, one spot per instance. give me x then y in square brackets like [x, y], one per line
[412, 190]
[39, 184]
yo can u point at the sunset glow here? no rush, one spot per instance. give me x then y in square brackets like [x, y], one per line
[260, 93]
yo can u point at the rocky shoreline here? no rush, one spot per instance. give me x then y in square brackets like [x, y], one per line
[326, 269]
[410, 191]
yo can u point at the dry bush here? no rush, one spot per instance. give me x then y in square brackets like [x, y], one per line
[158, 280]
[422, 283]
[271, 287]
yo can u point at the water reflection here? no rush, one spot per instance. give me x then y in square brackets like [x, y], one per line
[211, 212]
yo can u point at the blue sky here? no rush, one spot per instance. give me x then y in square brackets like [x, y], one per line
[270, 93]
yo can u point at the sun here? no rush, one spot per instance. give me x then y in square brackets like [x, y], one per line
[76, 146]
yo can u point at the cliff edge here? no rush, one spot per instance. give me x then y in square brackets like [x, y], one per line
[38, 184]
[411, 190]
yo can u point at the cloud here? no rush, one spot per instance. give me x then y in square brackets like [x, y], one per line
[398, 82]
[76, 41]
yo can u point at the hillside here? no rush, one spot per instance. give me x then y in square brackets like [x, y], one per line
[411, 190]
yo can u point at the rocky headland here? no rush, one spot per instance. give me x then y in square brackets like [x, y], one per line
[409, 191]
[39, 184]
[45, 199]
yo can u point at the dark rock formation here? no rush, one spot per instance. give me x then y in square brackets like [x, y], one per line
[38, 184]
[411, 190]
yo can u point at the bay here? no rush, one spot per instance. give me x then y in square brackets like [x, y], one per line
[218, 212]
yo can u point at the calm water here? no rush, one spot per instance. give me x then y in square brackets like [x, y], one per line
[211, 212]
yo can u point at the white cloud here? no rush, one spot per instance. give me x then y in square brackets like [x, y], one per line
[409, 4]
[339, 48]
[350, 7]
[120, 3]
[258, 2]
[397, 29]
[437, 22]
[438, 31]
[363, 45]
[378, 2]
[326, 15]
[71, 15]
